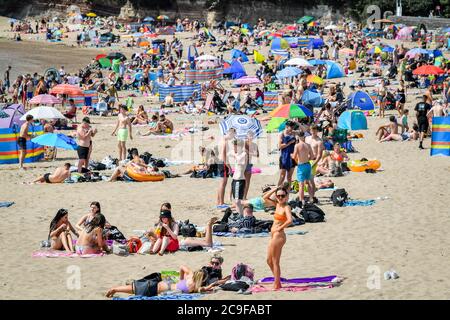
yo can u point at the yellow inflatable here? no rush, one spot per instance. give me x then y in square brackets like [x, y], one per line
[361, 166]
[144, 177]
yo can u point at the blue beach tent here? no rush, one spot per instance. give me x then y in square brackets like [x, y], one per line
[352, 120]
[360, 100]
[236, 70]
[334, 70]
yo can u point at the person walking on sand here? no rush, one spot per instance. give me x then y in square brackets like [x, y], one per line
[123, 128]
[317, 147]
[252, 150]
[286, 144]
[22, 140]
[224, 168]
[303, 154]
[84, 135]
[240, 160]
[422, 109]
[281, 219]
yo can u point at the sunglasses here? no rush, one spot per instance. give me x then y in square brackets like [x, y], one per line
[215, 263]
[281, 195]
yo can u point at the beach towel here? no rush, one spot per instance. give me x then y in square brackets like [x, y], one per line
[255, 235]
[297, 284]
[359, 203]
[301, 280]
[168, 296]
[6, 204]
[259, 288]
[59, 254]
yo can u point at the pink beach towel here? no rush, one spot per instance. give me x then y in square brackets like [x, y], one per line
[291, 288]
[58, 254]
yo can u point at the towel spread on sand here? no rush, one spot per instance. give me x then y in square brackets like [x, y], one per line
[6, 204]
[359, 203]
[255, 235]
[301, 280]
[259, 288]
[297, 284]
[170, 296]
[59, 254]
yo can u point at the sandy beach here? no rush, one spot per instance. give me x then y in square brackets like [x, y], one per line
[407, 232]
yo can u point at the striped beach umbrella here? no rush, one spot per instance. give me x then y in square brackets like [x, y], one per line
[242, 124]
[315, 79]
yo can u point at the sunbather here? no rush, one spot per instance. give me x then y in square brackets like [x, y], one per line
[60, 229]
[91, 240]
[86, 219]
[141, 116]
[137, 162]
[59, 176]
[153, 285]
[267, 200]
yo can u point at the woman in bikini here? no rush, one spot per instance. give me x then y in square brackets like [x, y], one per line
[382, 93]
[141, 116]
[91, 240]
[281, 219]
[86, 219]
[153, 284]
[400, 98]
[59, 233]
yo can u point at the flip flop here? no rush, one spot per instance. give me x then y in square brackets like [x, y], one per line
[222, 206]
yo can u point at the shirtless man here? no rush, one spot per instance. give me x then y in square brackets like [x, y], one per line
[60, 174]
[22, 140]
[223, 166]
[317, 147]
[165, 125]
[137, 162]
[123, 126]
[303, 154]
[84, 135]
[392, 128]
[438, 110]
[240, 160]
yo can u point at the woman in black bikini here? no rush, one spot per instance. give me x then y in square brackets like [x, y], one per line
[59, 233]
[400, 98]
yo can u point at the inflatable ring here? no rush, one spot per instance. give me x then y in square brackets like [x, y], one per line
[361, 166]
[144, 177]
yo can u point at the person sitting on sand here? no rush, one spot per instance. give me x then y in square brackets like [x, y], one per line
[392, 128]
[137, 162]
[246, 221]
[153, 285]
[208, 163]
[141, 116]
[266, 200]
[86, 219]
[166, 232]
[91, 240]
[163, 126]
[324, 165]
[59, 233]
[59, 176]
[412, 134]
[214, 272]
[338, 156]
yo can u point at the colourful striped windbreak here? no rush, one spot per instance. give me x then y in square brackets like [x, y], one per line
[440, 136]
[9, 150]
[270, 99]
[203, 75]
[181, 93]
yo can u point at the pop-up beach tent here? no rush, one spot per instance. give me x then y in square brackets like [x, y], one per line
[360, 100]
[334, 70]
[235, 54]
[352, 120]
[236, 70]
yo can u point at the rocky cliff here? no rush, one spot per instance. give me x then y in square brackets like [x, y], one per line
[245, 10]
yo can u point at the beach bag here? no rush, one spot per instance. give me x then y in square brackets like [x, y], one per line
[338, 197]
[119, 249]
[114, 234]
[134, 244]
[312, 213]
[235, 286]
[242, 270]
[188, 229]
[222, 227]
[145, 248]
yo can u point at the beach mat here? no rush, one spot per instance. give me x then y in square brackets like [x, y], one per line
[359, 203]
[301, 280]
[62, 254]
[6, 204]
[255, 235]
[297, 284]
[171, 296]
[259, 288]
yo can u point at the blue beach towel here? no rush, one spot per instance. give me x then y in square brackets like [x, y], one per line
[6, 204]
[359, 203]
[254, 235]
[171, 296]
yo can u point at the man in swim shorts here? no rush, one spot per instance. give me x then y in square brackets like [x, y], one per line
[317, 147]
[22, 140]
[123, 127]
[240, 158]
[303, 154]
[60, 174]
[84, 134]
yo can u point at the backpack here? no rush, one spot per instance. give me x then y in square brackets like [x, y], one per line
[242, 270]
[188, 229]
[146, 157]
[235, 286]
[222, 227]
[338, 197]
[114, 234]
[134, 244]
[312, 213]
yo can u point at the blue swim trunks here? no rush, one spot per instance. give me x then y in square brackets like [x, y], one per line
[304, 172]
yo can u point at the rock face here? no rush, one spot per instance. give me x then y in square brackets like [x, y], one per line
[208, 10]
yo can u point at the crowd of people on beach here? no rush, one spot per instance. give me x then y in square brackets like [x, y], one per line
[309, 147]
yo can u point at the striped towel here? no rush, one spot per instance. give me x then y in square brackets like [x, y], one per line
[168, 296]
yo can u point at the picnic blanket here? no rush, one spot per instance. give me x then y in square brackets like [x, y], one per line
[255, 235]
[168, 296]
[6, 204]
[59, 254]
[359, 203]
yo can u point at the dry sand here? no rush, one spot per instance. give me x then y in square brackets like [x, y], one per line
[407, 232]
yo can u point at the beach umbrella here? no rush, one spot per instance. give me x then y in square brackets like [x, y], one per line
[246, 80]
[305, 19]
[313, 24]
[375, 50]
[242, 124]
[91, 15]
[44, 99]
[316, 62]
[288, 72]
[206, 57]
[14, 112]
[279, 43]
[427, 70]
[67, 89]
[116, 55]
[162, 17]
[105, 63]
[98, 57]
[57, 140]
[416, 51]
[315, 79]
[275, 35]
[299, 62]
[276, 124]
[207, 64]
[388, 49]
[43, 112]
[258, 57]
[148, 19]
[291, 111]
[312, 98]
